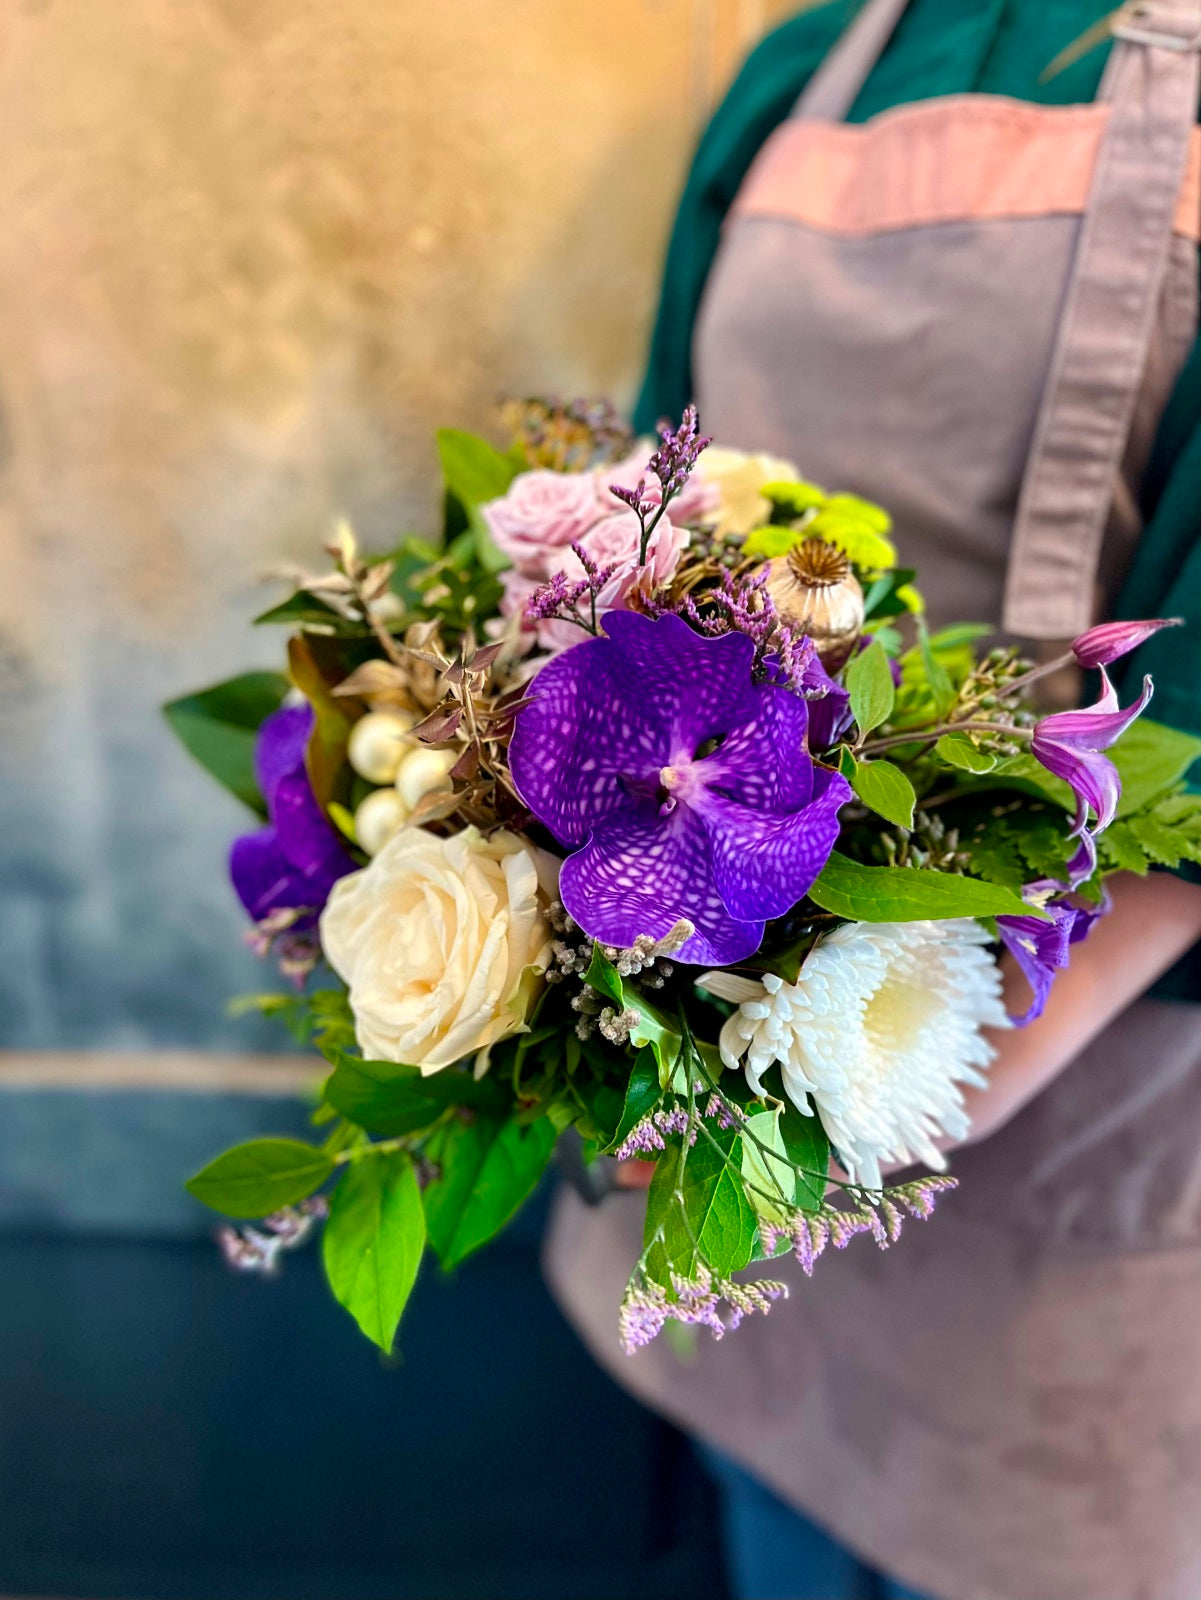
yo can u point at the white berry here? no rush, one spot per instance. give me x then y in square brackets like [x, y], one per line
[422, 771]
[378, 743]
[379, 816]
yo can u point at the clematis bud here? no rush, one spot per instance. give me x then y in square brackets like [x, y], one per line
[1112, 640]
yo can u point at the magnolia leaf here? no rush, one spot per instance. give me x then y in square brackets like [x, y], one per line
[254, 1179]
[219, 726]
[373, 1242]
[908, 894]
[869, 681]
[316, 678]
[486, 1170]
[886, 790]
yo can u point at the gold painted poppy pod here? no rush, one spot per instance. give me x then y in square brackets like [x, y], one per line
[815, 592]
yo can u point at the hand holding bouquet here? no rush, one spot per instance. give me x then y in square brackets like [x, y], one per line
[645, 806]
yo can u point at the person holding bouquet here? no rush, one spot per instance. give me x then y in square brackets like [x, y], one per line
[944, 253]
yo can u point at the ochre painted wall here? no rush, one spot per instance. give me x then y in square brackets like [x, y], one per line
[251, 253]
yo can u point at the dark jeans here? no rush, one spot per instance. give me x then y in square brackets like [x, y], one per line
[775, 1553]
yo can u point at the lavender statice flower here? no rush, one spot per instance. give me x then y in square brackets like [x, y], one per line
[695, 1302]
[259, 1249]
[672, 464]
[649, 1135]
[807, 1233]
[560, 598]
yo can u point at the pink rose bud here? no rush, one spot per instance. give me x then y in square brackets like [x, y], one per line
[1106, 643]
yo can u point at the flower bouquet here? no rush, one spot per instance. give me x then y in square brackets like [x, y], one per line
[643, 812]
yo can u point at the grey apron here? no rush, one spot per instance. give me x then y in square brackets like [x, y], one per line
[973, 310]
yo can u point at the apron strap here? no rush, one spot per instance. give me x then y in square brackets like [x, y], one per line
[834, 87]
[1080, 438]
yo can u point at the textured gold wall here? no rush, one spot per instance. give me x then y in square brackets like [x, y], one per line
[252, 250]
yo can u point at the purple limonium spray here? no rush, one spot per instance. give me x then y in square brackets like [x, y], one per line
[681, 789]
[560, 599]
[672, 463]
[291, 865]
[1070, 744]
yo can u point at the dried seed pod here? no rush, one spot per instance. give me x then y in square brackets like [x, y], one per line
[815, 591]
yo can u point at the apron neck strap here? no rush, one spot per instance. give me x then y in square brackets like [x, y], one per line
[834, 87]
[1108, 324]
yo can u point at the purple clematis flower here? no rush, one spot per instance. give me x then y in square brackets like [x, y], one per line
[682, 789]
[1069, 745]
[1109, 641]
[1041, 947]
[294, 862]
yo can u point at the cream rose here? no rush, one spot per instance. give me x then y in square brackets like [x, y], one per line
[443, 943]
[739, 479]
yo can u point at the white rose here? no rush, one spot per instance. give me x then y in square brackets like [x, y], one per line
[443, 943]
[739, 479]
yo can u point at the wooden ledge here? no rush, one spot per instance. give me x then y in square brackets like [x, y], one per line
[182, 1071]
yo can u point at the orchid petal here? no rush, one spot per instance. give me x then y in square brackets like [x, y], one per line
[763, 863]
[641, 873]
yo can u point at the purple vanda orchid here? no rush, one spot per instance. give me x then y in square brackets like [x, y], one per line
[294, 862]
[682, 789]
[1069, 744]
[1041, 946]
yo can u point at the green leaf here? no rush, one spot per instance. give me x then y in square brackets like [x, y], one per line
[387, 1098]
[883, 598]
[373, 1242]
[846, 762]
[486, 1170]
[957, 750]
[643, 1094]
[218, 728]
[767, 1173]
[325, 757]
[1151, 758]
[603, 976]
[808, 1149]
[254, 1179]
[705, 1215]
[1161, 842]
[301, 610]
[942, 690]
[869, 680]
[908, 894]
[475, 472]
[886, 790]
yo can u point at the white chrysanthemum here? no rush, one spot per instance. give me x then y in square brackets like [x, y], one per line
[881, 1028]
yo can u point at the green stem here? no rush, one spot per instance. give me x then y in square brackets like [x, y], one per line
[929, 735]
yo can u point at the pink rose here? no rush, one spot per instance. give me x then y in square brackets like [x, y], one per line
[540, 516]
[611, 542]
[696, 500]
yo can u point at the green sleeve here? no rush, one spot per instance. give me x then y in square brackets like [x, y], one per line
[759, 100]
